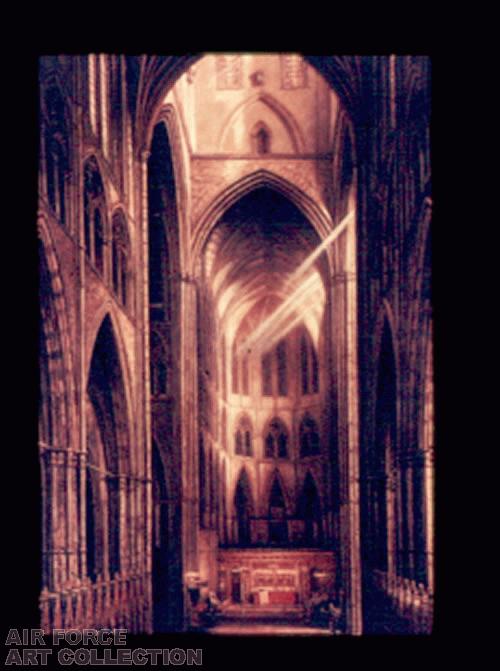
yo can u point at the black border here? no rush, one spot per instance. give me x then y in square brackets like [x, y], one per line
[21, 547]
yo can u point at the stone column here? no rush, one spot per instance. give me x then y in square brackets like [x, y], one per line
[145, 502]
[72, 516]
[344, 298]
[189, 432]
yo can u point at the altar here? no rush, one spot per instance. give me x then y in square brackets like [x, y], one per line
[272, 578]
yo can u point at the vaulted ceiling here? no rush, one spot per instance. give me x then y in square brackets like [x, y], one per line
[251, 257]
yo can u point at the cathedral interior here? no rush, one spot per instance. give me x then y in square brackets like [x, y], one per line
[235, 342]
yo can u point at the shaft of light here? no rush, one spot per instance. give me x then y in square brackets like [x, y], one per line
[331, 237]
[277, 336]
[304, 266]
[278, 313]
[305, 302]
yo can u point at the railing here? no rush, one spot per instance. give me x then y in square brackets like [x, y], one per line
[119, 603]
[411, 601]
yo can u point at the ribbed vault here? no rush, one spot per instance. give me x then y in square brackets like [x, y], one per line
[249, 260]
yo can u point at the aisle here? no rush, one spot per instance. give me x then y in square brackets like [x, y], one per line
[254, 628]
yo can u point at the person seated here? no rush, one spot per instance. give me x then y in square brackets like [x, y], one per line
[208, 608]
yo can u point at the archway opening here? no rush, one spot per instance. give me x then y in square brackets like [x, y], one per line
[244, 507]
[380, 496]
[164, 382]
[108, 447]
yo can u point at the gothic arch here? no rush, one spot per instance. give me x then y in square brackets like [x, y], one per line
[386, 314]
[117, 383]
[309, 509]
[244, 429]
[379, 459]
[167, 115]
[344, 176]
[276, 427]
[122, 257]
[155, 76]
[108, 431]
[242, 417]
[318, 217]
[107, 310]
[309, 433]
[243, 505]
[261, 137]
[90, 154]
[283, 114]
[56, 150]
[276, 474]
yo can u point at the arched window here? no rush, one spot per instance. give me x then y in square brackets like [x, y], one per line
[243, 437]
[159, 375]
[276, 440]
[261, 139]
[310, 513]
[278, 528]
[94, 215]
[120, 254]
[274, 369]
[309, 437]
[309, 372]
[243, 504]
[106, 393]
[56, 154]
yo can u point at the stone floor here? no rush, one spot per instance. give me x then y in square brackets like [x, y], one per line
[253, 628]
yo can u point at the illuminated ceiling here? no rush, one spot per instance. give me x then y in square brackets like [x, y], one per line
[249, 262]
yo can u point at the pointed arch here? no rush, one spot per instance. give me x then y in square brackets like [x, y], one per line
[55, 143]
[243, 435]
[314, 213]
[243, 503]
[261, 138]
[96, 222]
[277, 511]
[276, 439]
[276, 474]
[309, 436]
[106, 393]
[381, 456]
[309, 511]
[120, 257]
[151, 77]
[281, 111]
[107, 311]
